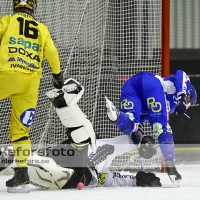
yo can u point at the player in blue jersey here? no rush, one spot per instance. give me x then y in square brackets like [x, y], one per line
[147, 96]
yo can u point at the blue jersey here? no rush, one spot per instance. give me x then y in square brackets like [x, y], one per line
[174, 86]
[148, 96]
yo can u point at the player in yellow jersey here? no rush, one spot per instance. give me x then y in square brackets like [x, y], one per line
[24, 42]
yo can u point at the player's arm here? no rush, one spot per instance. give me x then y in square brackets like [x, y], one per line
[119, 179]
[3, 25]
[52, 56]
[182, 84]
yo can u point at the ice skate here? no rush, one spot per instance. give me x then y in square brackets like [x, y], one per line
[174, 176]
[19, 183]
[112, 111]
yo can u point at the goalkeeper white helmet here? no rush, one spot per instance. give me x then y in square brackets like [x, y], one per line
[28, 4]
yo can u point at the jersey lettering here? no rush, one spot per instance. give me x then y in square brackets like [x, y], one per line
[24, 43]
[13, 50]
[127, 105]
[153, 105]
[26, 28]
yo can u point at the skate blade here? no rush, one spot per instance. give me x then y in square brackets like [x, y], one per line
[176, 182]
[19, 189]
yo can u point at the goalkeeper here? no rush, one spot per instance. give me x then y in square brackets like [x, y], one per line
[53, 172]
[24, 42]
[75, 160]
[146, 96]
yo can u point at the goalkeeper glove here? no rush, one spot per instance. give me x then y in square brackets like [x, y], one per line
[58, 80]
[181, 107]
[144, 179]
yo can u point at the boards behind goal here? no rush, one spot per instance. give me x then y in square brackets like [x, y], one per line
[101, 44]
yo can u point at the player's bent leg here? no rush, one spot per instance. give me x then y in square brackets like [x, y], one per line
[22, 150]
[166, 143]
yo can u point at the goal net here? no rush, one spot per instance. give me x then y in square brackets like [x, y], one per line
[101, 43]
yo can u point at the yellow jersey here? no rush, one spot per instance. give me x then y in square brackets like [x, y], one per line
[24, 42]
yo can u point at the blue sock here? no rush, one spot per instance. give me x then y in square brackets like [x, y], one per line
[166, 142]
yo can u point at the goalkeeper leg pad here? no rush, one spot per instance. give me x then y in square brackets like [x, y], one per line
[61, 175]
[72, 117]
[49, 176]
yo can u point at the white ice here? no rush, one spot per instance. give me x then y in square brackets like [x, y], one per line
[189, 190]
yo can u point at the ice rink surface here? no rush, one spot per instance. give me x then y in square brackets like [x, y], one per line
[189, 190]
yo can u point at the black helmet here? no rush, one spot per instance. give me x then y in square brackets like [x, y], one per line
[30, 4]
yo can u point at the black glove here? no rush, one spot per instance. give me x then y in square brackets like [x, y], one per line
[136, 136]
[147, 180]
[181, 107]
[147, 147]
[58, 80]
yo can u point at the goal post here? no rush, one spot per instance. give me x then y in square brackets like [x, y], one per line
[101, 43]
[165, 37]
